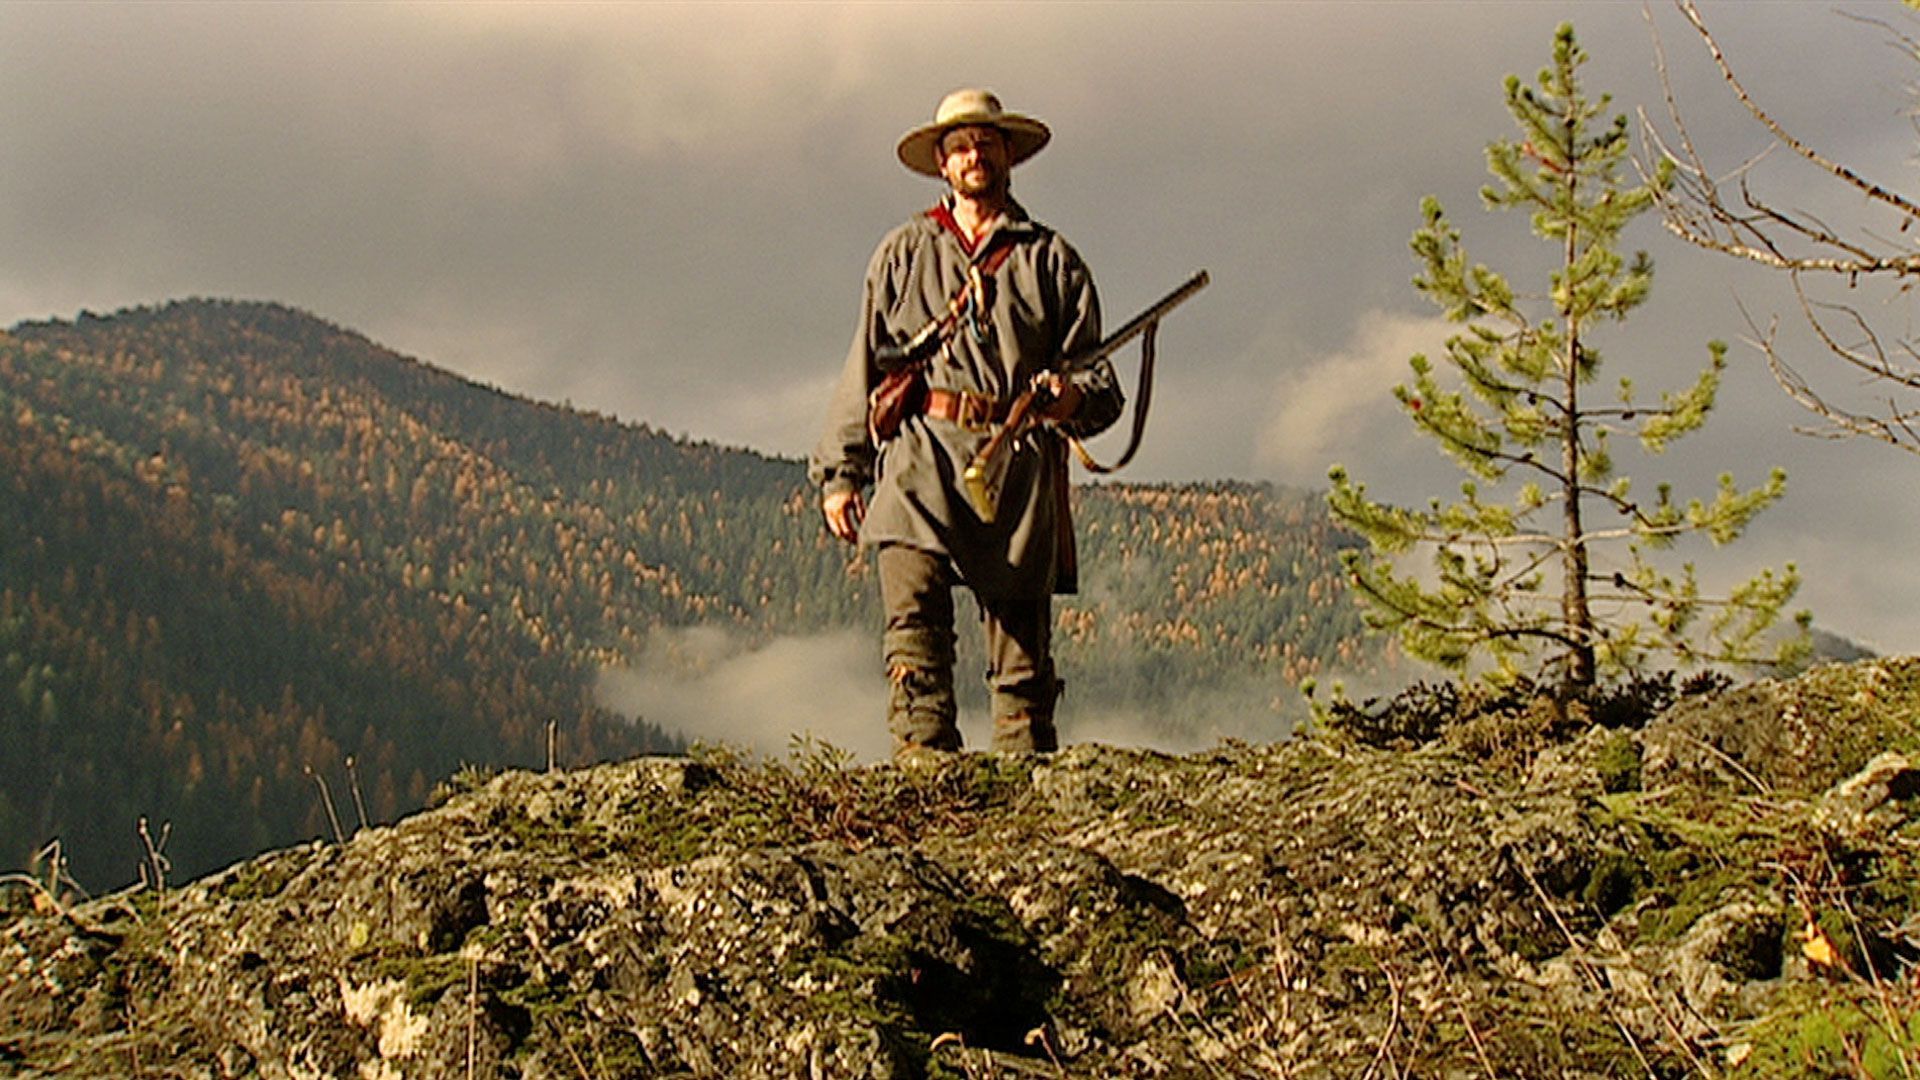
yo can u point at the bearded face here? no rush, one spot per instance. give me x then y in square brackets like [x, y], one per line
[976, 162]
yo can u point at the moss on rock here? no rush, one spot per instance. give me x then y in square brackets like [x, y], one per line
[1536, 888]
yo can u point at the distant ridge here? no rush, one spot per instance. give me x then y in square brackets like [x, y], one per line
[241, 545]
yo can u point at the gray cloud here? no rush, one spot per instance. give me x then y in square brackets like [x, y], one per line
[1332, 408]
[661, 211]
[711, 686]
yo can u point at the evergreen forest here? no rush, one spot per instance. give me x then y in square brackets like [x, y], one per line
[262, 579]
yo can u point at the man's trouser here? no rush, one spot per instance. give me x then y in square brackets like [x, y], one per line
[917, 588]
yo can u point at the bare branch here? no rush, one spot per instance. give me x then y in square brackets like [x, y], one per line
[1697, 211]
[1867, 187]
[1481, 633]
[1729, 217]
[1870, 357]
[1542, 557]
[1895, 427]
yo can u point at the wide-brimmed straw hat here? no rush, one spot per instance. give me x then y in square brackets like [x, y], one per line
[919, 149]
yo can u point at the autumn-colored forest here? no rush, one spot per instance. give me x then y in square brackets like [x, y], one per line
[245, 553]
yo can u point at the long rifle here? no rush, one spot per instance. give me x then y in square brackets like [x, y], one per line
[986, 474]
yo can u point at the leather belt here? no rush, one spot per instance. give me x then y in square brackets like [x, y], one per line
[975, 412]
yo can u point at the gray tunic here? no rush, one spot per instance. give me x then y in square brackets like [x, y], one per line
[1043, 308]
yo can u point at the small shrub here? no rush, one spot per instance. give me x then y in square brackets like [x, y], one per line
[1636, 700]
[1835, 1029]
[1612, 884]
[1508, 725]
[466, 778]
[1618, 764]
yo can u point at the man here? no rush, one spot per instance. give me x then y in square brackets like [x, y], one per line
[1009, 303]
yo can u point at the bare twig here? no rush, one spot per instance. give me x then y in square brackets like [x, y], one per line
[154, 866]
[1726, 759]
[1867, 187]
[1702, 215]
[1729, 217]
[58, 882]
[1473, 1033]
[1895, 426]
[566, 1041]
[473, 995]
[1039, 1035]
[1882, 994]
[1385, 1049]
[353, 781]
[1598, 984]
[326, 797]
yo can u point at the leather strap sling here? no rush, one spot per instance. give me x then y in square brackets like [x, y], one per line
[1140, 402]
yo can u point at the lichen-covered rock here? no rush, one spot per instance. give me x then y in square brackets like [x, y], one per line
[1881, 797]
[1626, 903]
[1799, 736]
[1737, 944]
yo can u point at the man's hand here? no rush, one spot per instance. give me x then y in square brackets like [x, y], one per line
[844, 511]
[1063, 397]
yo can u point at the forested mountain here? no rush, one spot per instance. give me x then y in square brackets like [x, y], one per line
[245, 553]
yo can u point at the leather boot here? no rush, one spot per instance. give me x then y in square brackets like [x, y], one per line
[1024, 726]
[921, 710]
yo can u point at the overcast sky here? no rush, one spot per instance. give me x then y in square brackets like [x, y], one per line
[663, 211]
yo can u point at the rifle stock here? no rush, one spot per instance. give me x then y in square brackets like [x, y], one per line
[985, 475]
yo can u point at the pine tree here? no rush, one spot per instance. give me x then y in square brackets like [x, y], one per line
[1525, 423]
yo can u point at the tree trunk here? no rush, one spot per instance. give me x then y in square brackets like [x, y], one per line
[1574, 610]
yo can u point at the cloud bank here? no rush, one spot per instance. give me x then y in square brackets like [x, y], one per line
[711, 686]
[661, 211]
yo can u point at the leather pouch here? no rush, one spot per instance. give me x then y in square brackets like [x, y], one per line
[901, 393]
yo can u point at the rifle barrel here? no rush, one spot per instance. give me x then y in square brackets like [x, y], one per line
[1139, 323]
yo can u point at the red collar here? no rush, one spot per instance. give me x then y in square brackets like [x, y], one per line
[944, 215]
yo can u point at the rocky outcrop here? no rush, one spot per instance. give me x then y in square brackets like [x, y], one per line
[1668, 898]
